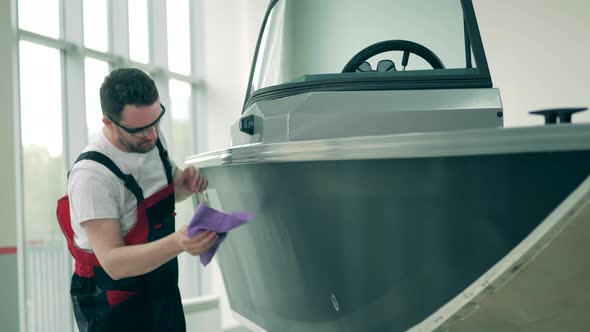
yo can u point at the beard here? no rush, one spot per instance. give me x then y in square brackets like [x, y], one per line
[143, 146]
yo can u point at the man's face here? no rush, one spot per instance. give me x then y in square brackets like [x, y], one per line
[133, 117]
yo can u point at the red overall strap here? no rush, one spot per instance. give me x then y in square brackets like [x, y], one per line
[84, 261]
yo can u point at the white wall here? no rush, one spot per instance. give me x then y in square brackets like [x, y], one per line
[539, 54]
[231, 30]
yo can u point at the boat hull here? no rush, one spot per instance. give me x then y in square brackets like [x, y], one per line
[377, 244]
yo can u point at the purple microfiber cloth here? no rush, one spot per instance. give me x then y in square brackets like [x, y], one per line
[206, 218]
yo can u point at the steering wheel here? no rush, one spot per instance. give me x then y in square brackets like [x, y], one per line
[392, 45]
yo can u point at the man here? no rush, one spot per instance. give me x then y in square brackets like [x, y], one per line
[120, 228]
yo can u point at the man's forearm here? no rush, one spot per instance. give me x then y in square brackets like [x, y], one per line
[134, 260]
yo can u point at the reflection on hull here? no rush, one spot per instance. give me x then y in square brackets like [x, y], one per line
[382, 244]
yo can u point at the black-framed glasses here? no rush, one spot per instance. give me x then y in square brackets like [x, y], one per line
[144, 131]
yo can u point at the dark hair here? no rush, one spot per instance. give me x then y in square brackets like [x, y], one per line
[126, 86]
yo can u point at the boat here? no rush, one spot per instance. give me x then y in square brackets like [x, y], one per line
[386, 192]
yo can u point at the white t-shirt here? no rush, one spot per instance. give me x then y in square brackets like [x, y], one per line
[97, 193]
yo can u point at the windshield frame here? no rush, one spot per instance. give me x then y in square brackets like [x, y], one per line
[478, 77]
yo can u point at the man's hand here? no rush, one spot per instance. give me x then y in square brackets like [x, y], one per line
[188, 182]
[195, 245]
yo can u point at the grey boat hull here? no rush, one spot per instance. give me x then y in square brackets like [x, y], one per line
[378, 244]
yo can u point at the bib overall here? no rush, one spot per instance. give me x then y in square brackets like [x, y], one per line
[150, 302]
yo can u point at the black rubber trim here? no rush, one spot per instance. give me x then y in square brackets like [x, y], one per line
[422, 83]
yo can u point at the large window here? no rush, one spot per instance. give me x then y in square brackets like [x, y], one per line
[179, 54]
[43, 178]
[95, 72]
[38, 16]
[95, 25]
[66, 48]
[138, 31]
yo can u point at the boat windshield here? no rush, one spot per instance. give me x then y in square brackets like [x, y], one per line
[310, 42]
